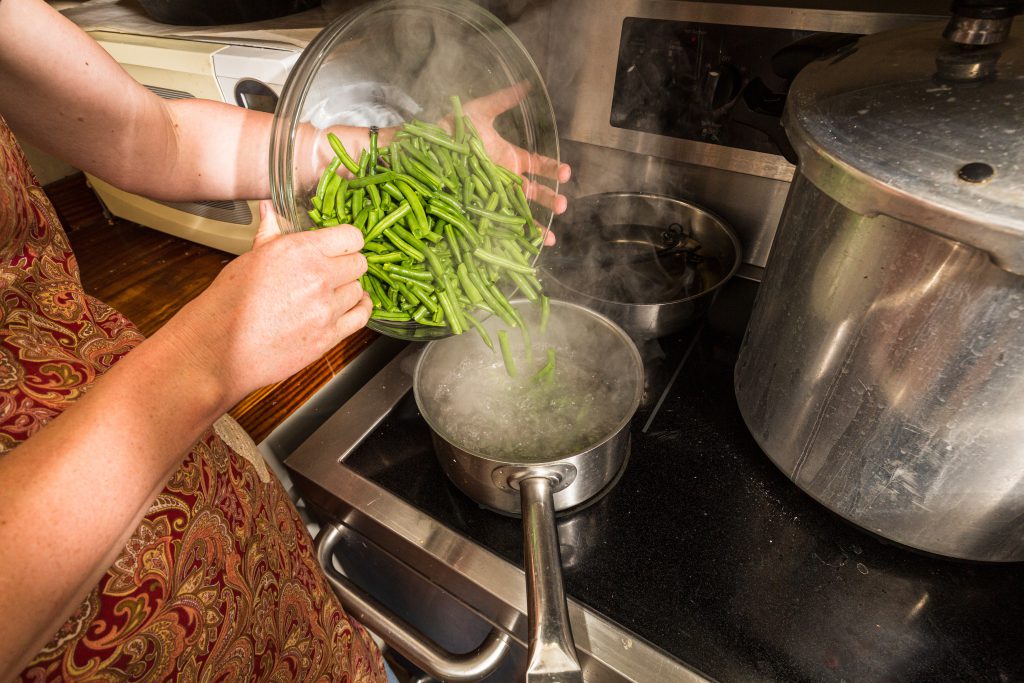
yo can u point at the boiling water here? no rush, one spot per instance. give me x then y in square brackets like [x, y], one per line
[521, 419]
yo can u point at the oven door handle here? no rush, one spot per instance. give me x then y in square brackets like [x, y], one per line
[399, 634]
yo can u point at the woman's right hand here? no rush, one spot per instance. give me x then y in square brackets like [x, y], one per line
[276, 309]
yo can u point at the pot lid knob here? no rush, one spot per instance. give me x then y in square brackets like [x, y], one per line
[981, 22]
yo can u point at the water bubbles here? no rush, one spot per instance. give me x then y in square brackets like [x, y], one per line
[525, 420]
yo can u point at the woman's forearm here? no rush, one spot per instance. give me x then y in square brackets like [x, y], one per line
[73, 492]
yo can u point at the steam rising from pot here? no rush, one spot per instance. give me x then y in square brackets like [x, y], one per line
[466, 395]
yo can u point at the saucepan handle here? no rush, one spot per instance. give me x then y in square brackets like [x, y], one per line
[552, 655]
[399, 634]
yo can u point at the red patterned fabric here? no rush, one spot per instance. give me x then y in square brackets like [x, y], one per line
[219, 581]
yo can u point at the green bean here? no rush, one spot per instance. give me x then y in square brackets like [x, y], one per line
[374, 132]
[392, 191]
[417, 155]
[438, 138]
[514, 254]
[410, 295]
[342, 154]
[364, 283]
[509, 176]
[374, 195]
[496, 217]
[447, 200]
[396, 158]
[495, 301]
[467, 285]
[341, 199]
[527, 245]
[361, 218]
[330, 193]
[480, 180]
[445, 157]
[453, 242]
[367, 181]
[506, 354]
[449, 312]
[502, 262]
[528, 291]
[373, 218]
[545, 313]
[421, 275]
[328, 173]
[415, 184]
[547, 372]
[364, 163]
[419, 215]
[376, 271]
[460, 125]
[459, 222]
[480, 329]
[420, 172]
[413, 253]
[390, 257]
[396, 316]
[386, 222]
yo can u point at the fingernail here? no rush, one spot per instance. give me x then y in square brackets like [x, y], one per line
[263, 209]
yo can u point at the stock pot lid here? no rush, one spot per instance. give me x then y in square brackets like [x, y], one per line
[910, 125]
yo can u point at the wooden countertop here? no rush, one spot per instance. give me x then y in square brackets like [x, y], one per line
[149, 275]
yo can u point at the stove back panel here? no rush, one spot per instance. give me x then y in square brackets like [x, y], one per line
[684, 98]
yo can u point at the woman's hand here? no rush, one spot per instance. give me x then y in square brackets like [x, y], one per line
[279, 307]
[483, 111]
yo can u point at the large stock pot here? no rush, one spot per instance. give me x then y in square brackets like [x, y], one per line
[883, 367]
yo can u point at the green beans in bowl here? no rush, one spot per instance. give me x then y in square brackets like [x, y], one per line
[371, 131]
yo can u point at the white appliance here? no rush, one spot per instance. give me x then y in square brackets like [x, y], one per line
[176, 68]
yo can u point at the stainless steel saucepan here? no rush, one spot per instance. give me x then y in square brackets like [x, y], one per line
[649, 262]
[535, 444]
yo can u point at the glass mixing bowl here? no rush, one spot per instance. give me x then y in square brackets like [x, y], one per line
[389, 62]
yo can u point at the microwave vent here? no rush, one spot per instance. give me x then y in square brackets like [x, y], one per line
[226, 211]
[170, 94]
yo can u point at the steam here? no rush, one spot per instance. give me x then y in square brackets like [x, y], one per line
[636, 249]
[468, 397]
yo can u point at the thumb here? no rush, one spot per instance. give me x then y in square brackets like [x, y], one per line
[269, 227]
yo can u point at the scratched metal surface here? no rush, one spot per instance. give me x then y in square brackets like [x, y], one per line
[706, 550]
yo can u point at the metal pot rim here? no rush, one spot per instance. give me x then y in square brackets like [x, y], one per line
[718, 220]
[634, 404]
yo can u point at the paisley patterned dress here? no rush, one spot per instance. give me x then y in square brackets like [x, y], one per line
[219, 582]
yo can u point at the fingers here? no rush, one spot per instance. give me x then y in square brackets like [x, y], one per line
[356, 317]
[544, 195]
[269, 227]
[536, 164]
[345, 270]
[340, 240]
[347, 296]
[499, 101]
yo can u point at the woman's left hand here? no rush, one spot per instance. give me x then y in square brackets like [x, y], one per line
[483, 111]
